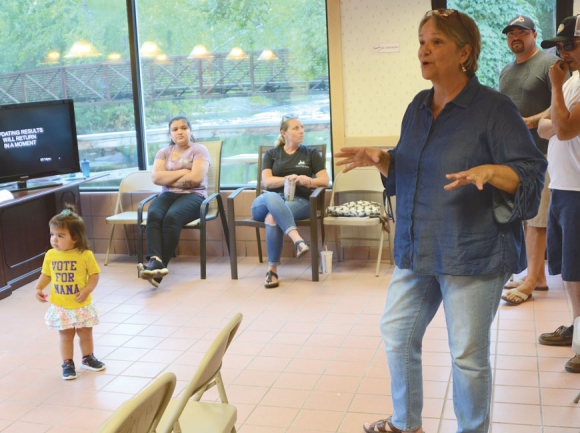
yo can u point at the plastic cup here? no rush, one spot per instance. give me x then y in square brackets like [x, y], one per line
[326, 261]
[289, 189]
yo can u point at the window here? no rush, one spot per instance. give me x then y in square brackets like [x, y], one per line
[40, 61]
[233, 68]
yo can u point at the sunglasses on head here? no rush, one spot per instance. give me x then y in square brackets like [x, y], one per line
[441, 12]
[445, 13]
[568, 46]
[288, 117]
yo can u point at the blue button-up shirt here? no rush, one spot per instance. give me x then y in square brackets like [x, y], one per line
[464, 231]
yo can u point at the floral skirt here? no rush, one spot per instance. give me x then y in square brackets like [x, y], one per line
[61, 318]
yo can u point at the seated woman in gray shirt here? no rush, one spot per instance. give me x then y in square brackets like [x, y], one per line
[294, 161]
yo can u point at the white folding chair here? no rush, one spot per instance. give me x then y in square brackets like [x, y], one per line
[363, 183]
[133, 182]
[188, 413]
[141, 414]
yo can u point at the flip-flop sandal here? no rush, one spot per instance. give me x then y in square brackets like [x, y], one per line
[155, 282]
[513, 284]
[300, 251]
[515, 292]
[270, 283]
[542, 288]
[380, 426]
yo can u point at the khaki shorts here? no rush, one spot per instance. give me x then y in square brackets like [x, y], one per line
[541, 219]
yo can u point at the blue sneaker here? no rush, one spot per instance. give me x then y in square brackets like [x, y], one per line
[68, 370]
[92, 363]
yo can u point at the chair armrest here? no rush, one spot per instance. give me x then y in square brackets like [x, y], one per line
[204, 209]
[316, 199]
[142, 204]
[319, 190]
[234, 194]
[205, 203]
[231, 201]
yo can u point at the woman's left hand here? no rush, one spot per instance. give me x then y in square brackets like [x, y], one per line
[304, 181]
[477, 176]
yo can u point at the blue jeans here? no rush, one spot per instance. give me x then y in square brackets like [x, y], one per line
[285, 213]
[564, 234]
[166, 216]
[470, 304]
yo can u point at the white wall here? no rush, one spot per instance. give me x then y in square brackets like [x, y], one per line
[378, 87]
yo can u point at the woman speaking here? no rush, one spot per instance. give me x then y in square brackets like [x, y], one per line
[465, 173]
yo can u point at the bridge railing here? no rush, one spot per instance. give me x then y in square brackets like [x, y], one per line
[177, 77]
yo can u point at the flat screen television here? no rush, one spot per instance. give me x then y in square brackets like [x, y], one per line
[37, 140]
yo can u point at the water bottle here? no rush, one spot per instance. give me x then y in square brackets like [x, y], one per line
[85, 168]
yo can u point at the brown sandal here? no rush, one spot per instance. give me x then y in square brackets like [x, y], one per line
[380, 426]
[301, 248]
[270, 283]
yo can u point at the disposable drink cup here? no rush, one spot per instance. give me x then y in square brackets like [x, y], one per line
[326, 261]
[289, 189]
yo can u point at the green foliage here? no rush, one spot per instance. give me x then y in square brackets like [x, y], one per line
[29, 29]
[158, 113]
[94, 119]
[491, 18]
[308, 37]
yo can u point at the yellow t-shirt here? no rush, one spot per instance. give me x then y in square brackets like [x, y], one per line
[69, 272]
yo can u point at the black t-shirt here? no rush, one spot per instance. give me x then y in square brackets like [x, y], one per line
[306, 161]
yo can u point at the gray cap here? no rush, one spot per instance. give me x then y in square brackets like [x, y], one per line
[520, 21]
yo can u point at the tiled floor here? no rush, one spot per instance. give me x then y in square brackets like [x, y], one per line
[307, 358]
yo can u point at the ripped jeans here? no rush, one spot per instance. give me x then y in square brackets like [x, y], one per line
[285, 213]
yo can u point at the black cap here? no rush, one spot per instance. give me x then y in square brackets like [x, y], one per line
[569, 29]
[520, 21]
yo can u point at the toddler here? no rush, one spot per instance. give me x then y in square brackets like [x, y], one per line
[73, 274]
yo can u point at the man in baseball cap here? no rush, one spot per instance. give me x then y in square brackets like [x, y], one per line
[562, 127]
[526, 81]
[568, 30]
[520, 21]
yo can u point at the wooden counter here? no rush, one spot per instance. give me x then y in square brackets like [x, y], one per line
[24, 232]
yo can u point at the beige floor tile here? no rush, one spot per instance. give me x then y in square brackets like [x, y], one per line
[106, 400]
[329, 401]
[516, 413]
[328, 383]
[511, 428]
[302, 381]
[25, 427]
[371, 403]
[272, 416]
[516, 378]
[308, 357]
[280, 397]
[317, 421]
[516, 395]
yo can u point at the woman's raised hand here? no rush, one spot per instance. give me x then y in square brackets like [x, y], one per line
[361, 157]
